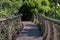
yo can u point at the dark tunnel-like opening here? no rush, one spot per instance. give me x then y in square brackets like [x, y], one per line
[27, 16]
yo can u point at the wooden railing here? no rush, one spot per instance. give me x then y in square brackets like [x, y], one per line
[50, 28]
[10, 27]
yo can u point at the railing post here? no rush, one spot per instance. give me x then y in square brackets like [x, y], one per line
[0, 30]
[34, 18]
[45, 29]
[20, 24]
[37, 19]
[54, 32]
[9, 30]
[20, 21]
[48, 31]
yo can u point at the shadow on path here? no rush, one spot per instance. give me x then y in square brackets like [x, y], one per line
[30, 31]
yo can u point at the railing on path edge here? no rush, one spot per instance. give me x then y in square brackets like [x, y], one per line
[10, 27]
[50, 28]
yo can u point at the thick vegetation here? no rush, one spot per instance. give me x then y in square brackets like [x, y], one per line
[10, 7]
[46, 7]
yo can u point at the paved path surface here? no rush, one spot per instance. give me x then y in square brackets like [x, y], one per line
[29, 32]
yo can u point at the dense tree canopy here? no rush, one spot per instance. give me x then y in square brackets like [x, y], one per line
[46, 7]
[36, 6]
[10, 7]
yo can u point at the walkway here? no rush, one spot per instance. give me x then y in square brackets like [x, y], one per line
[29, 32]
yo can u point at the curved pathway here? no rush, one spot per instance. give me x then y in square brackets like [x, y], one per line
[29, 32]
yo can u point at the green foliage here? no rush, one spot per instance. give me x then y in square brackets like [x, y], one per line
[58, 12]
[46, 7]
[36, 6]
[10, 7]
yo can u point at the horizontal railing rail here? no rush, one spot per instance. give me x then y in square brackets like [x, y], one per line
[51, 19]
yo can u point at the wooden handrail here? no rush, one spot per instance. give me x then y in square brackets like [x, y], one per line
[47, 34]
[2, 19]
[51, 19]
[12, 25]
[9, 18]
[13, 17]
